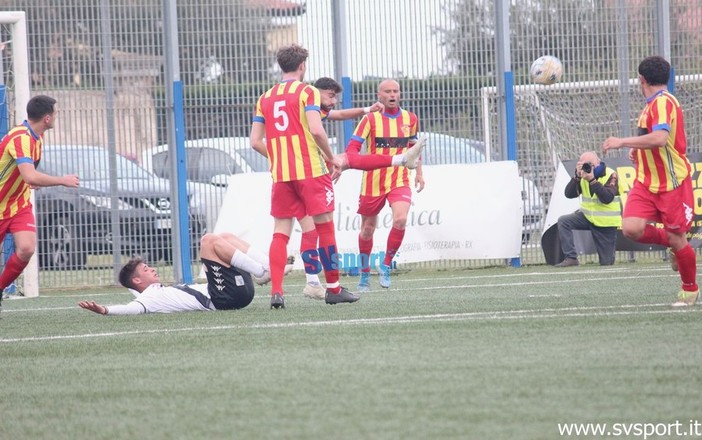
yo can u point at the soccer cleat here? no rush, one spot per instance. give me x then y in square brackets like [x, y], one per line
[364, 282]
[686, 298]
[277, 301]
[413, 153]
[314, 291]
[673, 260]
[568, 262]
[384, 276]
[344, 296]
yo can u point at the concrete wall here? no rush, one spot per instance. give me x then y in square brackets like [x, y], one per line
[83, 120]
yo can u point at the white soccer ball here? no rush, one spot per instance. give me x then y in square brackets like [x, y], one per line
[546, 70]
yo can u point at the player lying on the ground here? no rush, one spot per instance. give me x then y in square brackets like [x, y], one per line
[229, 265]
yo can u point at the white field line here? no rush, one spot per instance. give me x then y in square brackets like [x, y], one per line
[572, 312]
[402, 279]
[461, 286]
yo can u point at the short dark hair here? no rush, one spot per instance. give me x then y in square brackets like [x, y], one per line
[40, 106]
[127, 272]
[290, 57]
[655, 70]
[325, 83]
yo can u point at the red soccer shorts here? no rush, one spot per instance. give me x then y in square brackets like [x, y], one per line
[22, 221]
[673, 208]
[298, 198]
[370, 206]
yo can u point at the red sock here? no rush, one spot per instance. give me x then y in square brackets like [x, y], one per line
[365, 247]
[13, 269]
[308, 243]
[394, 242]
[327, 240]
[368, 162]
[687, 266]
[278, 256]
[654, 235]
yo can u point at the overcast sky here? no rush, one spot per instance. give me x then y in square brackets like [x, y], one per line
[384, 38]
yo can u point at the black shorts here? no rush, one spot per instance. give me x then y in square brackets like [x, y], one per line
[229, 287]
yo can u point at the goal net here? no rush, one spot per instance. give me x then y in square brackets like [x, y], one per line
[14, 95]
[562, 121]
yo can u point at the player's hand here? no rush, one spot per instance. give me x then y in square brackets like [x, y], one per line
[419, 182]
[71, 181]
[611, 143]
[93, 307]
[335, 174]
[377, 107]
[337, 164]
[632, 155]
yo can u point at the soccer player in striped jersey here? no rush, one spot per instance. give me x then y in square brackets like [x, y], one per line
[328, 90]
[20, 153]
[287, 128]
[387, 134]
[662, 190]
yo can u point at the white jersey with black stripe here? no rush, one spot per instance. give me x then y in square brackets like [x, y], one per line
[158, 298]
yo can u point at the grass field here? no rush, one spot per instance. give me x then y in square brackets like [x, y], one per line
[499, 353]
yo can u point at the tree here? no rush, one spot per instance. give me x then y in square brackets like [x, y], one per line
[66, 38]
[580, 32]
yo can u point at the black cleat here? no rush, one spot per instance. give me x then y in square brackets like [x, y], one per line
[277, 301]
[344, 296]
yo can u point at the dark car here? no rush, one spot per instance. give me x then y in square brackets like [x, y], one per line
[129, 203]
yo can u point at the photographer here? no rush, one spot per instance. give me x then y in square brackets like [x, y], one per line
[600, 210]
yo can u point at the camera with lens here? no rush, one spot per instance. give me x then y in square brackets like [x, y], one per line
[587, 167]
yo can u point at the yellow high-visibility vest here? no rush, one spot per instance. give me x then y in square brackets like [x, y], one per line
[598, 213]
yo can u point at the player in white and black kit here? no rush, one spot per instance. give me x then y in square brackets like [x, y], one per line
[230, 264]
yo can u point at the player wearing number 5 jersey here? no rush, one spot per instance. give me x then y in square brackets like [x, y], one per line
[287, 128]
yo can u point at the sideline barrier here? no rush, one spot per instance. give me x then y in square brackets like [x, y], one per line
[466, 211]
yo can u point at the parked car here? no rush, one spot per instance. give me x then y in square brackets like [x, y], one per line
[209, 163]
[208, 159]
[75, 222]
[445, 149]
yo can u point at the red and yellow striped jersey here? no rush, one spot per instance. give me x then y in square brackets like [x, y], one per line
[293, 153]
[664, 168]
[20, 145]
[387, 135]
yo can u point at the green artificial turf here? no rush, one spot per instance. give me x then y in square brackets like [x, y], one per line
[498, 353]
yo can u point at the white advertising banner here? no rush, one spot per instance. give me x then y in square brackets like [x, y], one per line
[466, 211]
[560, 204]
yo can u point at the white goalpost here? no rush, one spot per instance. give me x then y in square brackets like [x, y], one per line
[15, 79]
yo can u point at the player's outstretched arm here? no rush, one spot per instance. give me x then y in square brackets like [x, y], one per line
[353, 113]
[93, 307]
[39, 179]
[133, 308]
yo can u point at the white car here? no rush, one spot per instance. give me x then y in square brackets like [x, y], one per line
[209, 163]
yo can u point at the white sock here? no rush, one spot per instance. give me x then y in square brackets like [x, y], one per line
[398, 160]
[258, 256]
[312, 278]
[244, 262]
